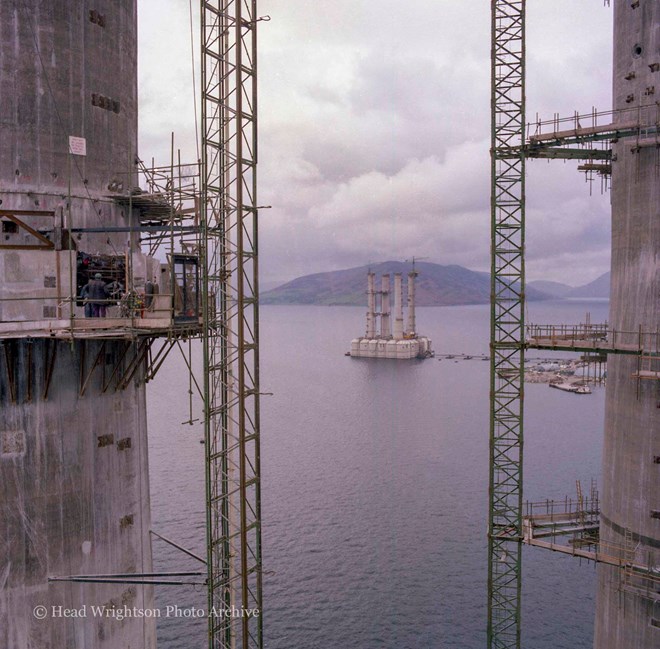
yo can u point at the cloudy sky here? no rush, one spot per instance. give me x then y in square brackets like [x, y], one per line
[374, 129]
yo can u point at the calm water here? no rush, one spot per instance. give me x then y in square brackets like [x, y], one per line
[375, 487]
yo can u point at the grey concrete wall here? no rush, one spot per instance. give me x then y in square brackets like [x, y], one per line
[625, 617]
[74, 499]
[52, 60]
[83, 213]
[58, 58]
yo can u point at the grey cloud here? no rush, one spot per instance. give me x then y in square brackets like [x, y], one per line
[374, 129]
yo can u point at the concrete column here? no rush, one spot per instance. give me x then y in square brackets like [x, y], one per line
[627, 615]
[74, 471]
[371, 306]
[398, 307]
[411, 303]
[385, 330]
[74, 486]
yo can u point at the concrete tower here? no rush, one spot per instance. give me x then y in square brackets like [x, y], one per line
[411, 326]
[74, 487]
[628, 611]
[371, 305]
[385, 328]
[398, 307]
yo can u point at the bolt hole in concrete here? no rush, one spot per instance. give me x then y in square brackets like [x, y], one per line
[637, 51]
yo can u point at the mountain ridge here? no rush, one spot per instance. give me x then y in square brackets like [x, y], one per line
[600, 287]
[436, 285]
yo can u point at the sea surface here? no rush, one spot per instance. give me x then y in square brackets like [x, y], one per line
[375, 477]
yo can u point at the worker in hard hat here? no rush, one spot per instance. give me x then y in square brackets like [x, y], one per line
[96, 295]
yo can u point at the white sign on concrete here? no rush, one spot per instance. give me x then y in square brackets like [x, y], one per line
[77, 145]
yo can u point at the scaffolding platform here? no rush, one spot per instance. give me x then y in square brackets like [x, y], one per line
[97, 328]
[573, 527]
[648, 368]
[552, 519]
[604, 126]
[151, 289]
[578, 134]
[598, 338]
[647, 374]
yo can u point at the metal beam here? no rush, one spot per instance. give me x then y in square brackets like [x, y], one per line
[46, 244]
[564, 153]
[595, 348]
[190, 553]
[556, 145]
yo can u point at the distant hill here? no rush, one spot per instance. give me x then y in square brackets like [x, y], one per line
[436, 285]
[555, 289]
[600, 287]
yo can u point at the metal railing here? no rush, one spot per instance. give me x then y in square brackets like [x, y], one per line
[594, 119]
[554, 510]
[595, 335]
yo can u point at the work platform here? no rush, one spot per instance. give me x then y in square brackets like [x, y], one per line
[595, 338]
[571, 526]
[98, 328]
[581, 135]
[572, 138]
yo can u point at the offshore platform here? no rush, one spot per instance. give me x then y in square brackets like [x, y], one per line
[390, 342]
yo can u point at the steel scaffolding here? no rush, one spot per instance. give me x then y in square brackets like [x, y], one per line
[507, 322]
[231, 324]
[511, 143]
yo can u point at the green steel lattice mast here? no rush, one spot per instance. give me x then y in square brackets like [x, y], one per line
[231, 325]
[507, 322]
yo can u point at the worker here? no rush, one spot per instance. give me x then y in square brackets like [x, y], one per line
[150, 289]
[84, 291]
[95, 294]
[115, 290]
